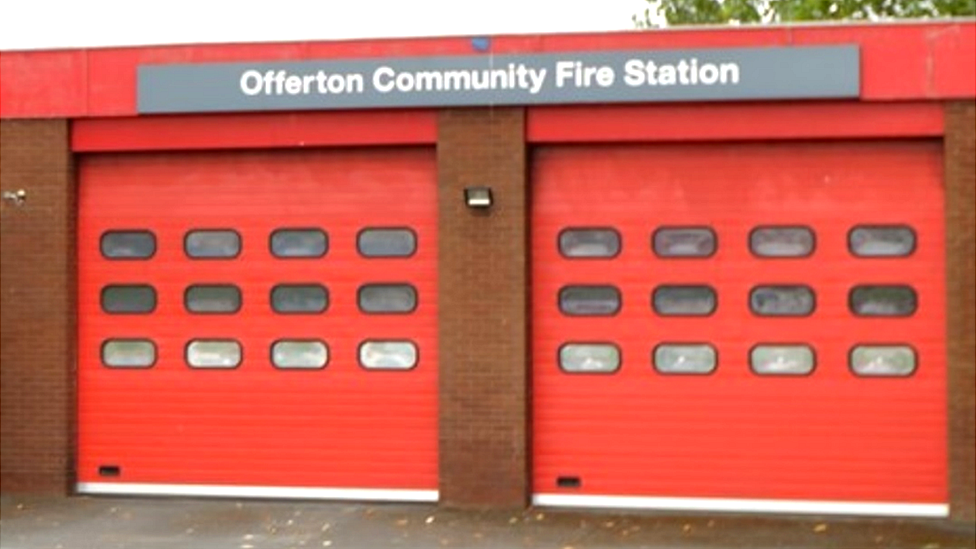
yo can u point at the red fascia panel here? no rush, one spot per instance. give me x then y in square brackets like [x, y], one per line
[43, 84]
[731, 121]
[901, 61]
[249, 131]
[907, 61]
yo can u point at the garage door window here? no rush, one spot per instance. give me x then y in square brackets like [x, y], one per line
[685, 358]
[213, 298]
[781, 241]
[590, 358]
[297, 243]
[213, 353]
[386, 242]
[128, 353]
[129, 299]
[782, 300]
[128, 245]
[684, 300]
[883, 301]
[881, 241]
[883, 360]
[589, 300]
[212, 244]
[689, 242]
[299, 298]
[387, 298]
[388, 355]
[589, 243]
[782, 360]
[299, 354]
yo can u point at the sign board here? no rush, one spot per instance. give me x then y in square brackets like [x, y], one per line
[727, 74]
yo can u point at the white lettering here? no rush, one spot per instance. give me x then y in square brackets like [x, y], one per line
[729, 72]
[251, 82]
[709, 74]
[634, 73]
[293, 85]
[538, 78]
[564, 71]
[383, 79]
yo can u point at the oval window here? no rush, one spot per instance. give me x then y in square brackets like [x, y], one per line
[386, 243]
[128, 353]
[388, 355]
[299, 354]
[684, 300]
[782, 300]
[128, 245]
[589, 243]
[883, 360]
[881, 241]
[387, 298]
[685, 358]
[883, 300]
[212, 244]
[212, 298]
[789, 360]
[299, 298]
[602, 358]
[128, 299]
[213, 353]
[781, 241]
[589, 300]
[296, 243]
[684, 242]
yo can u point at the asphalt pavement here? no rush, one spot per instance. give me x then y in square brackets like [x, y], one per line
[177, 523]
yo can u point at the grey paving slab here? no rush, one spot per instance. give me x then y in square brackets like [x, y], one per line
[157, 523]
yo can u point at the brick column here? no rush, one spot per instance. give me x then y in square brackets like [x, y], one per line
[960, 183]
[37, 304]
[483, 307]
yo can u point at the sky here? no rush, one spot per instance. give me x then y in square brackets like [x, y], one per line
[53, 24]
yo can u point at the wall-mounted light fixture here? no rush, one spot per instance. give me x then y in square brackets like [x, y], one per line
[17, 198]
[477, 197]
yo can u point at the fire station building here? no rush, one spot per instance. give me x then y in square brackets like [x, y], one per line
[698, 270]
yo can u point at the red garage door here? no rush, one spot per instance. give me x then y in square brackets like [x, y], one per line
[259, 323]
[743, 327]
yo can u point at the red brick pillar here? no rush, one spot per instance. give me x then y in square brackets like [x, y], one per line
[483, 303]
[960, 182]
[37, 304]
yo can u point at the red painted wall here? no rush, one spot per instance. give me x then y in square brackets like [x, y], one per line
[904, 61]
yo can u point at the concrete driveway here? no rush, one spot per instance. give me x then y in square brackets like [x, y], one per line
[116, 523]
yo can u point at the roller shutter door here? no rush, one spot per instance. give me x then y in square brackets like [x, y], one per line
[741, 327]
[258, 323]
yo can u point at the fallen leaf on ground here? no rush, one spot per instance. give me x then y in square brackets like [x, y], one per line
[539, 516]
[430, 520]
[686, 528]
[820, 528]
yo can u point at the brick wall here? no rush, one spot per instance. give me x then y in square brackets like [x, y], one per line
[37, 307]
[483, 304]
[960, 175]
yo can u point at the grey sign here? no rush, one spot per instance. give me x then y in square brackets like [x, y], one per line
[487, 79]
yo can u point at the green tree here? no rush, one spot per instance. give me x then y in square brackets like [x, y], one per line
[709, 12]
